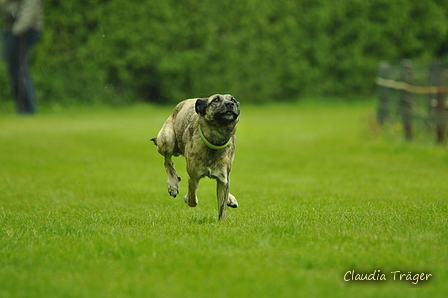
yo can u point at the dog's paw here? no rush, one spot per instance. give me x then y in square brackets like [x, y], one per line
[173, 190]
[173, 186]
[232, 202]
[191, 203]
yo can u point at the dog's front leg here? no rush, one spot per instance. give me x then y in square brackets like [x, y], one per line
[191, 197]
[222, 190]
[173, 179]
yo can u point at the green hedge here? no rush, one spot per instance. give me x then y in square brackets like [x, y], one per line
[120, 51]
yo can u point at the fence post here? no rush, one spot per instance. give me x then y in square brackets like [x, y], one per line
[383, 102]
[441, 112]
[433, 81]
[406, 100]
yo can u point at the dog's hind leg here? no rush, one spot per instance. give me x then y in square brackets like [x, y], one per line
[166, 146]
[232, 202]
[191, 197]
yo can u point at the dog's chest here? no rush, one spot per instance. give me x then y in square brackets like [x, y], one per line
[209, 164]
[214, 173]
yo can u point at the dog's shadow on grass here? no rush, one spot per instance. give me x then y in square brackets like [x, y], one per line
[203, 220]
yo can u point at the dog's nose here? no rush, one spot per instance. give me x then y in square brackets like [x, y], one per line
[230, 104]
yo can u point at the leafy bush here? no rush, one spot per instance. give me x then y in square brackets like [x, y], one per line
[119, 51]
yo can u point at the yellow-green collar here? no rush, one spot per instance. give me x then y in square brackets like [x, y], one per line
[210, 145]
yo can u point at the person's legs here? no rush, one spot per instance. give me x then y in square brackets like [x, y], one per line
[12, 45]
[30, 102]
[17, 52]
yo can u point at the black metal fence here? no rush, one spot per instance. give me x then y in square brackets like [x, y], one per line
[414, 92]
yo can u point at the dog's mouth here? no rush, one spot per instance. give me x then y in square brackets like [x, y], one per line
[229, 115]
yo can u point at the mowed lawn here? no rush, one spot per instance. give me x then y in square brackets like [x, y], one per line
[84, 209]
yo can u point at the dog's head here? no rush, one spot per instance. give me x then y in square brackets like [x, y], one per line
[219, 108]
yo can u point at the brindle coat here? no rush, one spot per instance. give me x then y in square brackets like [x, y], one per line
[217, 116]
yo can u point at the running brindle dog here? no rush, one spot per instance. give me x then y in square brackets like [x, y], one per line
[202, 130]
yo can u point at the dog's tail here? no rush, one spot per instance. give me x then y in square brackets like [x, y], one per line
[154, 140]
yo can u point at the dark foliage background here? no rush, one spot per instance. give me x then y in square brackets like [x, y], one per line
[118, 51]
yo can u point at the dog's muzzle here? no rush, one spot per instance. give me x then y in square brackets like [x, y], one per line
[228, 112]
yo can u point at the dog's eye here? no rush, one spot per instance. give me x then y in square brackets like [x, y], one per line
[216, 99]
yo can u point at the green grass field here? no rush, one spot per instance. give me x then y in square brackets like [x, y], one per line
[84, 210]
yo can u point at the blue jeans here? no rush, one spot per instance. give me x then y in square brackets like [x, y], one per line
[17, 55]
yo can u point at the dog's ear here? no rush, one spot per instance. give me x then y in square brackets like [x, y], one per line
[201, 106]
[237, 102]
